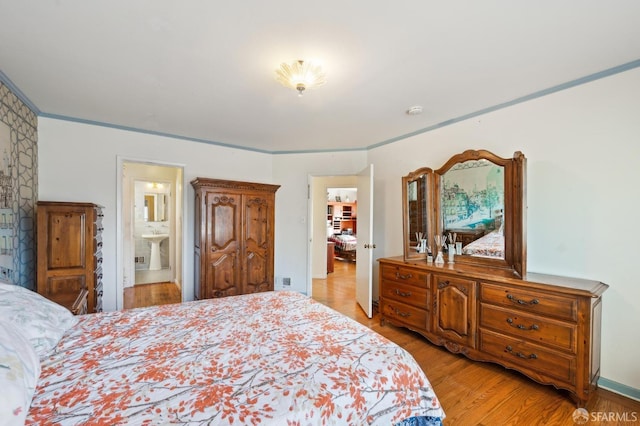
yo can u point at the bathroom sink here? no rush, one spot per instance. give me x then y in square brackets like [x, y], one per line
[155, 238]
[154, 259]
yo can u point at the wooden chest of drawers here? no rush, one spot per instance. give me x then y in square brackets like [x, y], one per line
[69, 247]
[544, 326]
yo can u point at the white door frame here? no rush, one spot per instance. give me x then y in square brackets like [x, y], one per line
[120, 160]
[349, 180]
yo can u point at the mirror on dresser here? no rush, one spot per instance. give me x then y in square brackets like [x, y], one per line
[476, 198]
[417, 188]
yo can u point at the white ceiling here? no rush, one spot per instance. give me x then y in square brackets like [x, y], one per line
[204, 69]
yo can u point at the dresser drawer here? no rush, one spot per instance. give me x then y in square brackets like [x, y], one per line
[529, 356]
[534, 302]
[407, 314]
[402, 292]
[540, 330]
[409, 276]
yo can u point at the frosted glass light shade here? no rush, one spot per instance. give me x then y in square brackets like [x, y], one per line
[300, 75]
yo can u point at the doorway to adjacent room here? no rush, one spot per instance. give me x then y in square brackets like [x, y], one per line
[150, 234]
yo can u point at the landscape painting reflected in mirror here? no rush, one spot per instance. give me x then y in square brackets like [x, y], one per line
[472, 200]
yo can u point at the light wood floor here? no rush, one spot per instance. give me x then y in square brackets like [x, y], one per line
[475, 393]
[152, 294]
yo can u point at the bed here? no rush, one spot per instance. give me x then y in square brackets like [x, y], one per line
[489, 245]
[345, 245]
[272, 358]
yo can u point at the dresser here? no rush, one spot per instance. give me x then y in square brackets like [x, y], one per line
[69, 248]
[546, 327]
[234, 236]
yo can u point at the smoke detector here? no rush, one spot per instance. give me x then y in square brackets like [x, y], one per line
[414, 110]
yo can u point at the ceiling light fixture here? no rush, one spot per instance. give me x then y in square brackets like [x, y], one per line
[300, 75]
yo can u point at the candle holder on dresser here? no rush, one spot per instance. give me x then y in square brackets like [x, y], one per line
[451, 247]
[439, 243]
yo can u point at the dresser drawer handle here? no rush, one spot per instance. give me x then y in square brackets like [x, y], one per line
[522, 302]
[522, 327]
[403, 277]
[401, 314]
[402, 293]
[520, 354]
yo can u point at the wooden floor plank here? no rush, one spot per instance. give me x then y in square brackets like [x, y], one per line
[151, 294]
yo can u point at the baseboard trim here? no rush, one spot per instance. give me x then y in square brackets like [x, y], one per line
[619, 388]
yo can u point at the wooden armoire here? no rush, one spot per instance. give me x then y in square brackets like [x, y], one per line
[69, 246]
[234, 236]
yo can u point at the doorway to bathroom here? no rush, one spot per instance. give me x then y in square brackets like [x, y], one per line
[151, 234]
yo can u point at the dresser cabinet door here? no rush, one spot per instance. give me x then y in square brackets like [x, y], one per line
[455, 310]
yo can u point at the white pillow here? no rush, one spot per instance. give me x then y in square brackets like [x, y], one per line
[40, 320]
[19, 373]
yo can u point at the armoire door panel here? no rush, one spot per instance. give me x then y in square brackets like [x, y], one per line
[257, 271]
[222, 277]
[66, 240]
[257, 221]
[224, 222]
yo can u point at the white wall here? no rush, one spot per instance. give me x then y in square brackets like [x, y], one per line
[293, 230]
[78, 162]
[583, 173]
[583, 151]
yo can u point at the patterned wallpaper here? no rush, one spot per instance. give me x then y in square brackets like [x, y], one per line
[18, 189]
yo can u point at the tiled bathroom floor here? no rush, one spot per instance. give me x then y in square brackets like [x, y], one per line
[144, 277]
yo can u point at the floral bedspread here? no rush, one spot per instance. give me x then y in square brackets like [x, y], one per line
[274, 358]
[489, 245]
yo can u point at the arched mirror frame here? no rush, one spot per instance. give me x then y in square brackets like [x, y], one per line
[515, 247]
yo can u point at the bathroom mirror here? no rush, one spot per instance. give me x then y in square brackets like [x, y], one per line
[155, 207]
[478, 198]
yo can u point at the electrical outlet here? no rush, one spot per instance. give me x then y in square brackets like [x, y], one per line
[286, 282]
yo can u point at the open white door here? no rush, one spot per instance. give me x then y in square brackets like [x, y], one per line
[364, 253]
